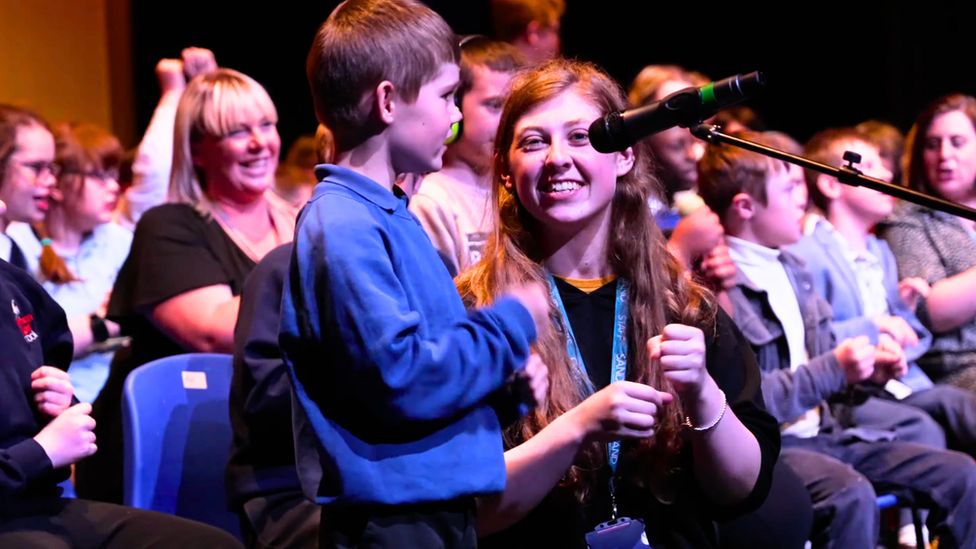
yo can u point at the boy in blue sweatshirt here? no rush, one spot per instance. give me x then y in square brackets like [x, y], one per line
[391, 375]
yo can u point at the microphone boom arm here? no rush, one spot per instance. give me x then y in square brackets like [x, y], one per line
[847, 175]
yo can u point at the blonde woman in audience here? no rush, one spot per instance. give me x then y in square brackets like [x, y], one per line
[178, 291]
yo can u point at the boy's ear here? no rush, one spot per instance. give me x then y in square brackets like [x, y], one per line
[385, 98]
[743, 206]
[625, 161]
[829, 186]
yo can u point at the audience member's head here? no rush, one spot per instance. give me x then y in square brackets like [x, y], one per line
[676, 151]
[371, 47]
[941, 149]
[487, 67]
[532, 26]
[829, 195]
[27, 167]
[226, 141]
[890, 143]
[758, 198]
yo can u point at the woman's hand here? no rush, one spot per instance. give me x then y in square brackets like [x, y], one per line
[681, 351]
[624, 409]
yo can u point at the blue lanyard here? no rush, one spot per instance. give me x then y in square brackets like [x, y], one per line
[618, 366]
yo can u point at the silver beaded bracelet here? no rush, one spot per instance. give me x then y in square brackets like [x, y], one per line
[710, 426]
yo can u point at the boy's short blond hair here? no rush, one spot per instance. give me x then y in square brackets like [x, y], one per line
[827, 147]
[725, 171]
[480, 51]
[363, 43]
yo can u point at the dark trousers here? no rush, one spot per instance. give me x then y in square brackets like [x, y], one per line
[81, 524]
[952, 408]
[908, 422]
[449, 524]
[282, 520]
[839, 473]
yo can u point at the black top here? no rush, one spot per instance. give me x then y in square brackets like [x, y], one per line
[33, 333]
[262, 460]
[588, 314]
[174, 250]
[561, 521]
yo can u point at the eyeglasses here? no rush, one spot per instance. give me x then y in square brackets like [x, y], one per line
[101, 175]
[42, 166]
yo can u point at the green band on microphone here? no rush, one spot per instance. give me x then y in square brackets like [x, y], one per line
[708, 93]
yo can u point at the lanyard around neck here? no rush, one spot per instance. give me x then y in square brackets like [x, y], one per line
[618, 365]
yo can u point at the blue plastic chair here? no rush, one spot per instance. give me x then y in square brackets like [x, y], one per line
[177, 437]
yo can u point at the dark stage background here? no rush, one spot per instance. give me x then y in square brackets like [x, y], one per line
[832, 63]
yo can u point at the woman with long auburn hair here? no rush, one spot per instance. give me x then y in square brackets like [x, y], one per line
[654, 409]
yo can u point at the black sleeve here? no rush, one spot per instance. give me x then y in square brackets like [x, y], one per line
[733, 365]
[173, 252]
[35, 335]
[260, 393]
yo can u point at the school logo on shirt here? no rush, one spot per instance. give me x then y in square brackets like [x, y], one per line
[24, 322]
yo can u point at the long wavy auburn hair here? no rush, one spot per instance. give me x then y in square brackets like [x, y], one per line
[660, 291]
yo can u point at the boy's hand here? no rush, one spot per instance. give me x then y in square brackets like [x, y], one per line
[52, 390]
[620, 410]
[718, 268]
[695, 235]
[680, 350]
[889, 361]
[536, 378]
[911, 290]
[70, 437]
[856, 358]
[535, 298]
[897, 329]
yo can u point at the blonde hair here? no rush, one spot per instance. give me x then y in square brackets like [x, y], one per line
[213, 104]
[647, 84]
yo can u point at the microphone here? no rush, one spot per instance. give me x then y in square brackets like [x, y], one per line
[688, 107]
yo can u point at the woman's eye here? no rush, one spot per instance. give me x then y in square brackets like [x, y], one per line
[531, 142]
[579, 136]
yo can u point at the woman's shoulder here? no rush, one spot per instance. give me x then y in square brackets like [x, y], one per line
[907, 215]
[169, 219]
[169, 211]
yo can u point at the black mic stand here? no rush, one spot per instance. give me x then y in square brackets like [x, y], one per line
[848, 175]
